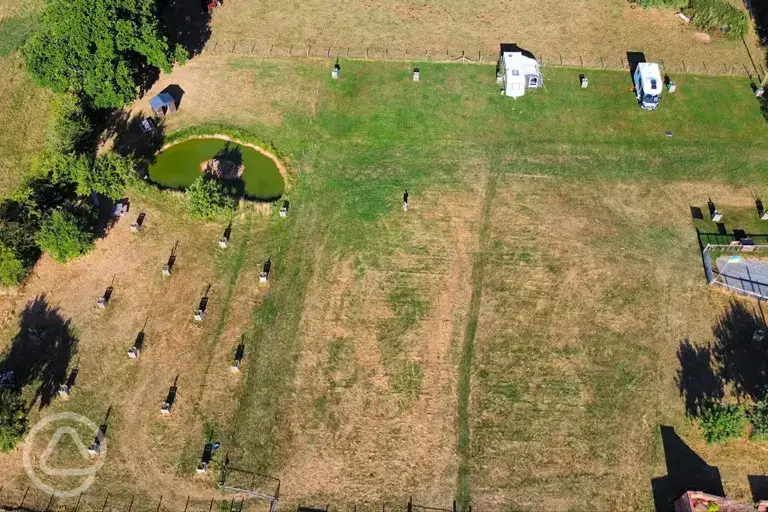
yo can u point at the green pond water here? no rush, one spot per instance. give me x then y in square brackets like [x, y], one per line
[178, 166]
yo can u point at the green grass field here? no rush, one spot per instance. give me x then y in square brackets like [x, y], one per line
[582, 241]
[510, 341]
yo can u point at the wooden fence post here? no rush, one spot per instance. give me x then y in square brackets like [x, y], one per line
[23, 498]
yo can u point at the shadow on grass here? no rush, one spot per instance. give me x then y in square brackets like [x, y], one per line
[188, 22]
[696, 379]
[131, 140]
[41, 352]
[736, 359]
[685, 471]
[758, 487]
[739, 351]
[758, 9]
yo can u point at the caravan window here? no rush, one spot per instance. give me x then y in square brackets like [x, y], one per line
[515, 72]
[533, 81]
[649, 98]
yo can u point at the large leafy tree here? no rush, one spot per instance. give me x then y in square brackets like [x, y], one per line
[100, 49]
[66, 233]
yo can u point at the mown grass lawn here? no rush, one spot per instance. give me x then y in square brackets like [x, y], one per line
[511, 340]
[584, 277]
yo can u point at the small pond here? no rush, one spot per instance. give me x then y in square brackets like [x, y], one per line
[249, 173]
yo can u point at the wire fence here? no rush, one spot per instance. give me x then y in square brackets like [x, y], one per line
[31, 499]
[618, 62]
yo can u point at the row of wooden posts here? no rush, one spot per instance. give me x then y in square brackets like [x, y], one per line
[600, 62]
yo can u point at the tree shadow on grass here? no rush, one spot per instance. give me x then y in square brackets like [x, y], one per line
[188, 22]
[739, 351]
[131, 140]
[41, 352]
[758, 9]
[736, 359]
[696, 379]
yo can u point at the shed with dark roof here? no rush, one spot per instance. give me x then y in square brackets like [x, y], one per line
[163, 104]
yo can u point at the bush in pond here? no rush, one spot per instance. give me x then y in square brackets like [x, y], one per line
[208, 199]
[66, 234]
[721, 422]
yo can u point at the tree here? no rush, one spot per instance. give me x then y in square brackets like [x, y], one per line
[207, 198]
[108, 176]
[66, 234]
[70, 129]
[11, 267]
[13, 420]
[65, 169]
[100, 49]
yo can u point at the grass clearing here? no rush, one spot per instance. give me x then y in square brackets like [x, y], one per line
[511, 340]
[26, 109]
[590, 29]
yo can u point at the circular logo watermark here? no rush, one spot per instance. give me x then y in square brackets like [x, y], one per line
[97, 450]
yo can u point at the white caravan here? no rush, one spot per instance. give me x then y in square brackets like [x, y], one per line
[648, 85]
